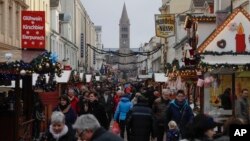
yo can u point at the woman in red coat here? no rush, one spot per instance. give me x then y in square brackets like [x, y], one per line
[117, 98]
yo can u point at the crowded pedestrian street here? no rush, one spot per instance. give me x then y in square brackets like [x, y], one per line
[124, 70]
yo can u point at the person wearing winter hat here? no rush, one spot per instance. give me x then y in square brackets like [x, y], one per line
[202, 128]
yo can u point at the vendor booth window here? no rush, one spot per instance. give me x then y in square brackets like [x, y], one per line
[218, 96]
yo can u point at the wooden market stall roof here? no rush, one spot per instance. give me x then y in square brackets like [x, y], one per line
[229, 44]
[229, 26]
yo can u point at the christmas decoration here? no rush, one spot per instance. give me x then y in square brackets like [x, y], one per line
[240, 39]
[224, 53]
[236, 12]
[43, 64]
[187, 49]
[222, 44]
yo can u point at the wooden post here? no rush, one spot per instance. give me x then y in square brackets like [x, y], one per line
[17, 91]
[233, 94]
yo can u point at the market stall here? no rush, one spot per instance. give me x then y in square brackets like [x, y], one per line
[225, 56]
[18, 98]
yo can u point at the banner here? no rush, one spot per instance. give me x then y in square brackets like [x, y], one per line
[33, 30]
[164, 25]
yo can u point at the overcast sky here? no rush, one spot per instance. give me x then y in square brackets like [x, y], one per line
[107, 13]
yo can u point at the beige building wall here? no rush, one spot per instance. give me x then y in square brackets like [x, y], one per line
[179, 6]
[10, 28]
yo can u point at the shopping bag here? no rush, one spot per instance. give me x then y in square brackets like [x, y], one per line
[116, 128]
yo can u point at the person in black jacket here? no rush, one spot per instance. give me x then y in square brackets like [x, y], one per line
[98, 110]
[65, 107]
[58, 130]
[226, 101]
[140, 121]
[180, 112]
[89, 129]
[107, 101]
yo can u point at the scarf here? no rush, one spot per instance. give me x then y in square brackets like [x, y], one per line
[57, 136]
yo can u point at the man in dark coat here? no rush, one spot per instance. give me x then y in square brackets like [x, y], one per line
[107, 101]
[180, 112]
[89, 129]
[140, 121]
[159, 109]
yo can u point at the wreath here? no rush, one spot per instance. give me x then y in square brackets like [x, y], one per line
[222, 44]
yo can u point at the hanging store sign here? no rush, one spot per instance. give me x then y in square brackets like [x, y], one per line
[164, 25]
[33, 30]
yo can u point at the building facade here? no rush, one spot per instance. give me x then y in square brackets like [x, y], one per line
[10, 28]
[72, 31]
[198, 9]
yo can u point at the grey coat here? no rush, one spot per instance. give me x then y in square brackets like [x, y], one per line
[242, 109]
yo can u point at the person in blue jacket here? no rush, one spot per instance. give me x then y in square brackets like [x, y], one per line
[180, 112]
[121, 111]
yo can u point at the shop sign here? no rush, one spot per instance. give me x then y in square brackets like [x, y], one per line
[164, 25]
[33, 29]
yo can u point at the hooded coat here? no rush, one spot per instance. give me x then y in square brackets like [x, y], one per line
[181, 113]
[122, 108]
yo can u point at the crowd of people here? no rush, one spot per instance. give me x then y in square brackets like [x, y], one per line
[144, 113]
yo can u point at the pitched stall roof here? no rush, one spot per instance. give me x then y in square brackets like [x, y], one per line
[229, 42]
[221, 27]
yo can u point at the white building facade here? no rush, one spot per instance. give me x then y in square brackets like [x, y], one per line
[200, 11]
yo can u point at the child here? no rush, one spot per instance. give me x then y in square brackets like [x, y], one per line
[173, 132]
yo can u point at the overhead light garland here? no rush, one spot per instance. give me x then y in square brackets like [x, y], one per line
[130, 62]
[46, 63]
[146, 53]
[205, 67]
[224, 53]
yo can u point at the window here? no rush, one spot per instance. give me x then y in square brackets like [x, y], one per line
[124, 29]
[124, 35]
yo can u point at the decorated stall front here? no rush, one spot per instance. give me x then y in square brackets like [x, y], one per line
[19, 103]
[225, 59]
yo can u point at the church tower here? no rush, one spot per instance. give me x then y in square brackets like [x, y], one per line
[124, 30]
[127, 69]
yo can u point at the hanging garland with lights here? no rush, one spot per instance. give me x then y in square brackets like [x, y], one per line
[224, 53]
[130, 62]
[205, 67]
[146, 53]
[174, 70]
[46, 63]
